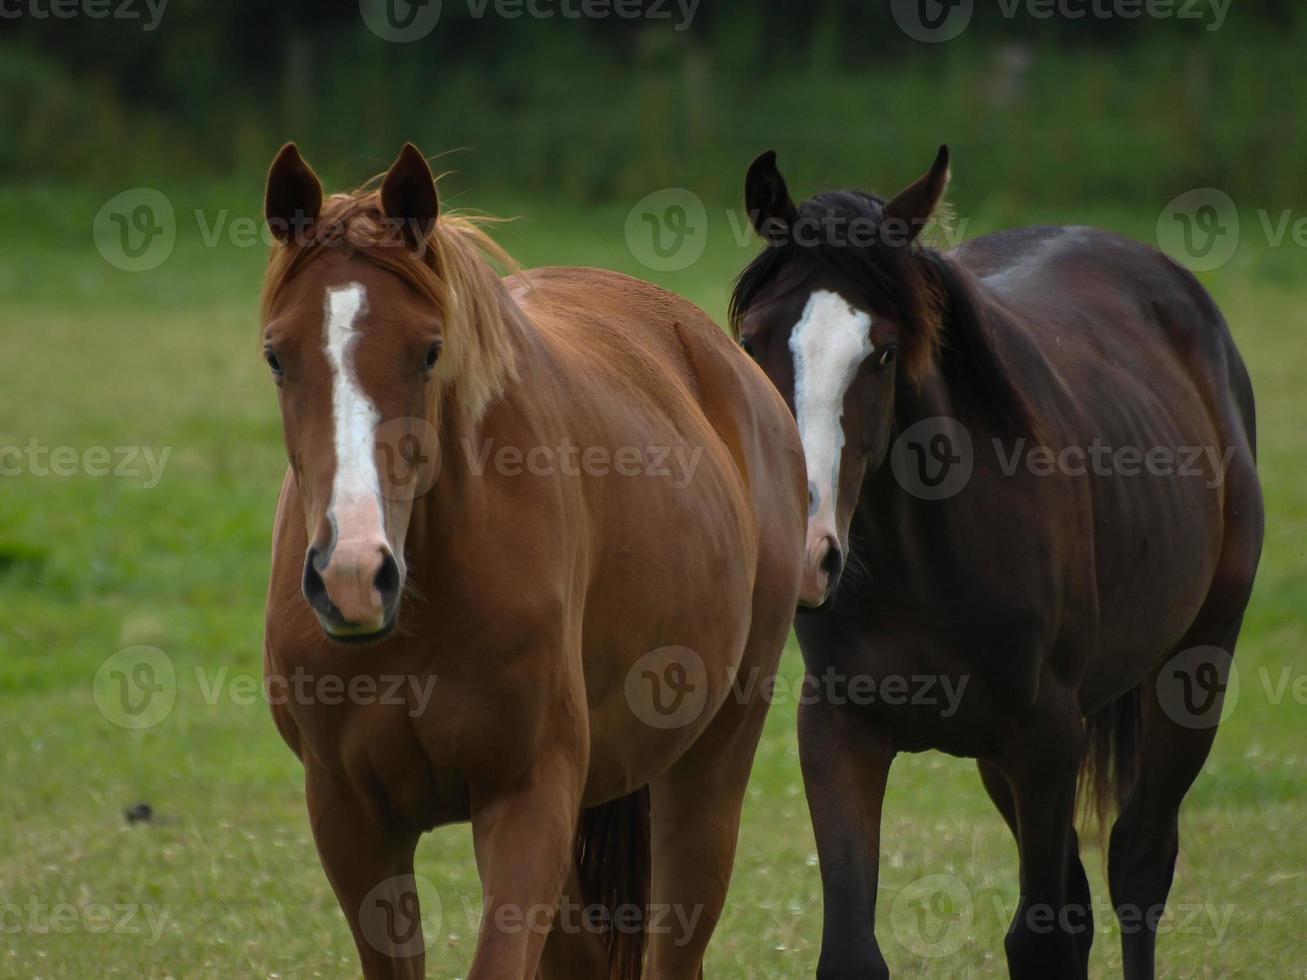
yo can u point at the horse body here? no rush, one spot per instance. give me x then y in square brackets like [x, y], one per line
[605, 587]
[995, 572]
[1037, 614]
[1135, 356]
[634, 491]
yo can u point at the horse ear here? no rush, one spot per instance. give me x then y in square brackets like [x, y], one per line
[408, 195]
[917, 202]
[768, 199]
[293, 198]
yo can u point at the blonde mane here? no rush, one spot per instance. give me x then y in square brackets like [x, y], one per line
[453, 267]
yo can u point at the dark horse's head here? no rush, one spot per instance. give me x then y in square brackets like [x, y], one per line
[841, 309]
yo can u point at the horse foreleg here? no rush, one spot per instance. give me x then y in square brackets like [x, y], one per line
[524, 848]
[1042, 769]
[369, 861]
[845, 769]
[574, 950]
[1077, 882]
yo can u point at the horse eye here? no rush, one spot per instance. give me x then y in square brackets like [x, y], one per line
[887, 356]
[433, 355]
[273, 363]
[747, 346]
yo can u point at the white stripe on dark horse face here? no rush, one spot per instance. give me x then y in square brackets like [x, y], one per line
[829, 343]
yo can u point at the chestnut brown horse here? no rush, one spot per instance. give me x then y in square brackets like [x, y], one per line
[531, 531]
[1035, 454]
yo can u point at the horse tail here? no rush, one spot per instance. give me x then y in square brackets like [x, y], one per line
[1111, 762]
[612, 858]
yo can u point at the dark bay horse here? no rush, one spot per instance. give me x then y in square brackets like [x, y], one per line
[1035, 455]
[531, 531]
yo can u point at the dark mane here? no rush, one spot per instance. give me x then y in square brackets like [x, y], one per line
[971, 351]
[843, 234]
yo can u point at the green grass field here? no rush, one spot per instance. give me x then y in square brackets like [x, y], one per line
[225, 882]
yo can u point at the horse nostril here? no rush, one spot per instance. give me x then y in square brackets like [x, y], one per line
[833, 562]
[315, 589]
[387, 580]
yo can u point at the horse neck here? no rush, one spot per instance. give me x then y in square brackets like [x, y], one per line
[466, 435]
[893, 520]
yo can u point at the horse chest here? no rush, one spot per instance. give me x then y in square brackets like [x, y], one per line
[926, 685]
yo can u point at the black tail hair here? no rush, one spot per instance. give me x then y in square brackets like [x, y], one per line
[613, 861]
[1111, 763]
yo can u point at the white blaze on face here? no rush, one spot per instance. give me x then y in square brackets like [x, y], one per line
[828, 343]
[355, 509]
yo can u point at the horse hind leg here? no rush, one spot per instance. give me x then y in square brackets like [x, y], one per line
[1182, 706]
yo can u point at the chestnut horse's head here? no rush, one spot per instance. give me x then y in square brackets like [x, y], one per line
[839, 312]
[377, 312]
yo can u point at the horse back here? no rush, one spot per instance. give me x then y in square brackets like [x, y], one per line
[631, 338]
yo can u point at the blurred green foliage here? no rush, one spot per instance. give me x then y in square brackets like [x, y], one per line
[1112, 109]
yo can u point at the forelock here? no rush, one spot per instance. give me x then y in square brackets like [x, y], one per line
[838, 237]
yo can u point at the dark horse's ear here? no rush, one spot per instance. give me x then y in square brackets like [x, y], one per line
[768, 199]
[915, 204]
[408, 195]
[293, 198]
